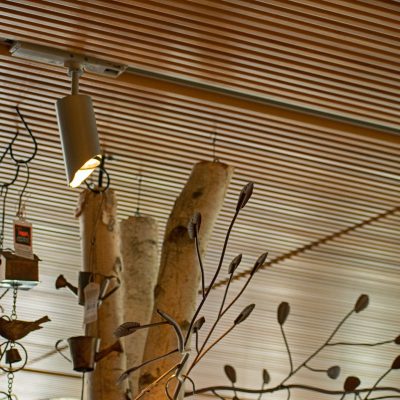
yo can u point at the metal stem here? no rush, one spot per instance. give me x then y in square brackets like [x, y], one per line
[279, 388]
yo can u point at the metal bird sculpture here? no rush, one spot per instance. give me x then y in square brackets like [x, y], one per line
[14, 329]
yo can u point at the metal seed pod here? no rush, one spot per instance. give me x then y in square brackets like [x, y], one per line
[396, 363]
[245, 195]
[333, 372]
[351, 383]
[230, 373]
[361, 303]
[283, 312]
[244, 314]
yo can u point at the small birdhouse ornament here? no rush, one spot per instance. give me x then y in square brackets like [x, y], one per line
[21, 267]
[17, 271]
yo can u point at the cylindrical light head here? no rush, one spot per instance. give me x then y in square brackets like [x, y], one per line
[80, 142]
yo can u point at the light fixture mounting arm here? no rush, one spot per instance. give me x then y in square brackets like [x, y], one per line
[75, 71]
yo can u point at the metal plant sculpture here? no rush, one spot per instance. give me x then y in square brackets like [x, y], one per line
[351, 385]
[180, 372]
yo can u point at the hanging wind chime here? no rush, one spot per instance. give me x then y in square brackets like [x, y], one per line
[19, 269]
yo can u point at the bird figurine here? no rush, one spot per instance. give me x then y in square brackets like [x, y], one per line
[14, 329]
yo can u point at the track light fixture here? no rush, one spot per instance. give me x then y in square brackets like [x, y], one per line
[76, 118]
[78, 131]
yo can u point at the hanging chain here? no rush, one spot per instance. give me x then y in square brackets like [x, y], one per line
[3, 215]
[10, 374]
[14, 306]
[10, 377]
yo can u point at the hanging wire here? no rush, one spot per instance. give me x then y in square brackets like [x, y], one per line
[18, 162]
[140, 179]
[4, 187]
[20, 208]
[83, 385]
[4, 293]
[3, 215]
[93, 237]
[214, 144]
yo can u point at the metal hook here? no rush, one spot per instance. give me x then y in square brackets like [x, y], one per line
[99, 189]
[102, 172]
[15, 137]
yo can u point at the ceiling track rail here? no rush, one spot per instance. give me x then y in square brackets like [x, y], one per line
[54, 56]
[262, 100]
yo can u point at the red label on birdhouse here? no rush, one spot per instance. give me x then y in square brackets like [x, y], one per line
[23, 239]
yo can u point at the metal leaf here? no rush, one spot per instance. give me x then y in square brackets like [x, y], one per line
[361, 303]
[230, 373]
[266, 377]
[333, 372]
[126, 329]
[122, 377]
[244, 314]
[194, 225]
[396, 363]
[397, 340]
[283, 312]
[260, 261]
[177, 328]
[245, 195]
[234, 264]
[351, 383]
[198, 324]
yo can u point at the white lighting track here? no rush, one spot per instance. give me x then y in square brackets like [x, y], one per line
[47, 55]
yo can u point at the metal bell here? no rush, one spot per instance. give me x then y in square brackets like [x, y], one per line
[13, 356]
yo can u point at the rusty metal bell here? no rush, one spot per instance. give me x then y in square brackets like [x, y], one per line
[13, 356]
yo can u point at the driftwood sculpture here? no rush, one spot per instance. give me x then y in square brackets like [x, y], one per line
[139, 255]
[179, 275]
[99, 232]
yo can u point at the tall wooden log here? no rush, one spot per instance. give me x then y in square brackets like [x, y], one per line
[178, 281]
[139, 252]
[99, 235]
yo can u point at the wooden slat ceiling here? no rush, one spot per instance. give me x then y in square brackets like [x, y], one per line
[335, 56]
[314, 176]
